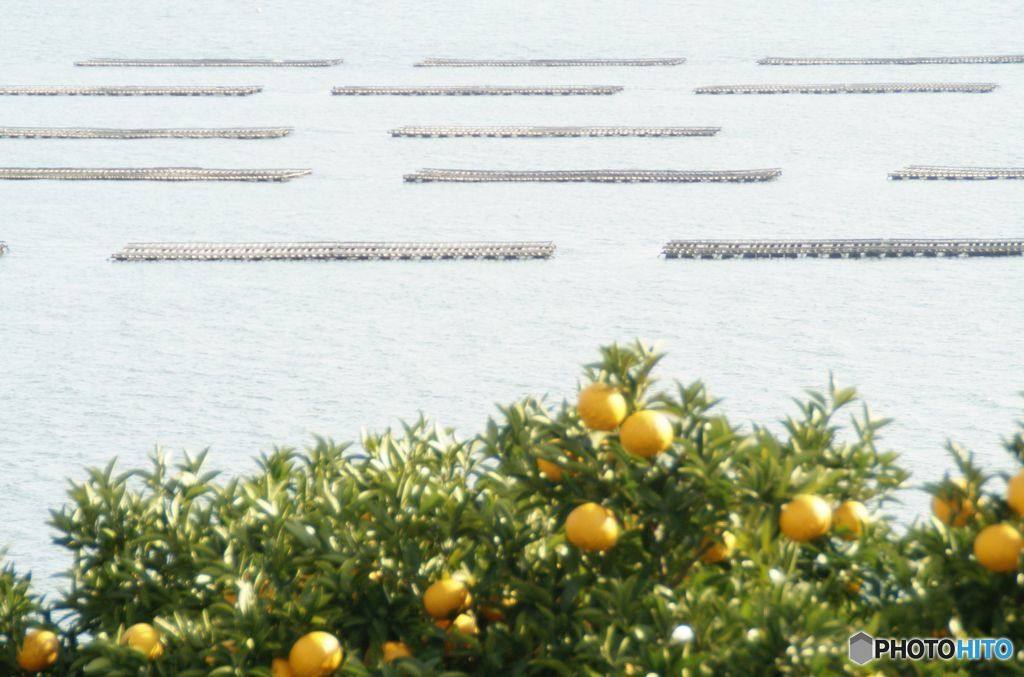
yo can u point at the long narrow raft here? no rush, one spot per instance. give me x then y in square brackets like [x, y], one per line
[149, 174]
[155, 133]
[523, 63]
[838, 249]
[129, 90]
[853, 88]
[332, 251]
[888, 61]
[594, 176]
[935, 173]
[475, 90]
[213, 63]
[531, 132]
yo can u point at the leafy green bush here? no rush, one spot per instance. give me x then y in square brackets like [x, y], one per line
[347, 538]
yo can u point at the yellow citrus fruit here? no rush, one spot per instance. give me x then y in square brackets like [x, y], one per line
[39, 651]
[315, 654]
[552, 471]
[713, 552]
[805, 518]
[145, 638]
[1015, 492]
[646, 433]
[601, 407]
[997, 547]
[392, 651]
[445, 597]
[466, 624]
[592, 527]
[850, 516]
[949, 507]
[279, 667]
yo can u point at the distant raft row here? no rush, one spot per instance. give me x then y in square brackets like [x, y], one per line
[883, 61]
[156, 133]
[848, 88]
[475, 90]
[129, 90]
[148, 174]
[332, 251]
[213, 63]
[517, 132]
[931, 172]
[594, 176]
[838, 249]
[521, 63]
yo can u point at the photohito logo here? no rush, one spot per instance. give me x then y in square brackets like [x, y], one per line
[865, 648]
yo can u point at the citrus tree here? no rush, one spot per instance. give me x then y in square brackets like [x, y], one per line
[636, 530]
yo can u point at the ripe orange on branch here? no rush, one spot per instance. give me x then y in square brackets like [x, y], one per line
[997, 547]
[646, 433]
[601, 407]
[145, 638]
[592, 527]
[805, 518]
[950, 507]
[39, 651]
[445, 597]
[850, 517]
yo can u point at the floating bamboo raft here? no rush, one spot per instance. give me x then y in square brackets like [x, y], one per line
[149, 174]
[475, 90]
[212, 63]
[520, 63]
[332, 251]
[847, 88]
[886, 61]
[838, 249]
[129, 90]
[156, 133]
[957, 173]
[510, 131]
[594, 176]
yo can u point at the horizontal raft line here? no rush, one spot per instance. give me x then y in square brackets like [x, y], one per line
[148, 174]
[475, 90]
[515, 132]
[213, 63]
[522, 63]
[852, 88]
[833, 249]
[332, 251]
[932, 172]
[888, 60]
[129, 90]
[155, 133]
[595, 176]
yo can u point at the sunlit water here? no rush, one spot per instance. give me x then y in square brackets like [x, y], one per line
[100, 359]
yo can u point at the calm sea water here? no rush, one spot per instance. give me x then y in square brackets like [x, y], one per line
[99, 359]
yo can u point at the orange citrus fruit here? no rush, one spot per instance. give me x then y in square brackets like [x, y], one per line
[445, 597]
[1015, 492]
[950, 507]
[392, 651]
[646, 433]
[592, 527]
[39, 651]
[145, 638]
[601, 407]
[850, 517]
[279, 667]
[805, 518]
[315, 654]
[552, 471]
[713, 552]
[997, 547]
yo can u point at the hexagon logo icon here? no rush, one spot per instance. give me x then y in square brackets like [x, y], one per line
[862, 648]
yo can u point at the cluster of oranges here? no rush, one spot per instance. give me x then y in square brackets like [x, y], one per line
[41, 648]
[645, 433]
[997, 547]
[808, 517]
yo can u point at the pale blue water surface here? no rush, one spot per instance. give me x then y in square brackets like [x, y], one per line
[100, 359]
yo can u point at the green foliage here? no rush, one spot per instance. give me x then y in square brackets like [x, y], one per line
[347, 538]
